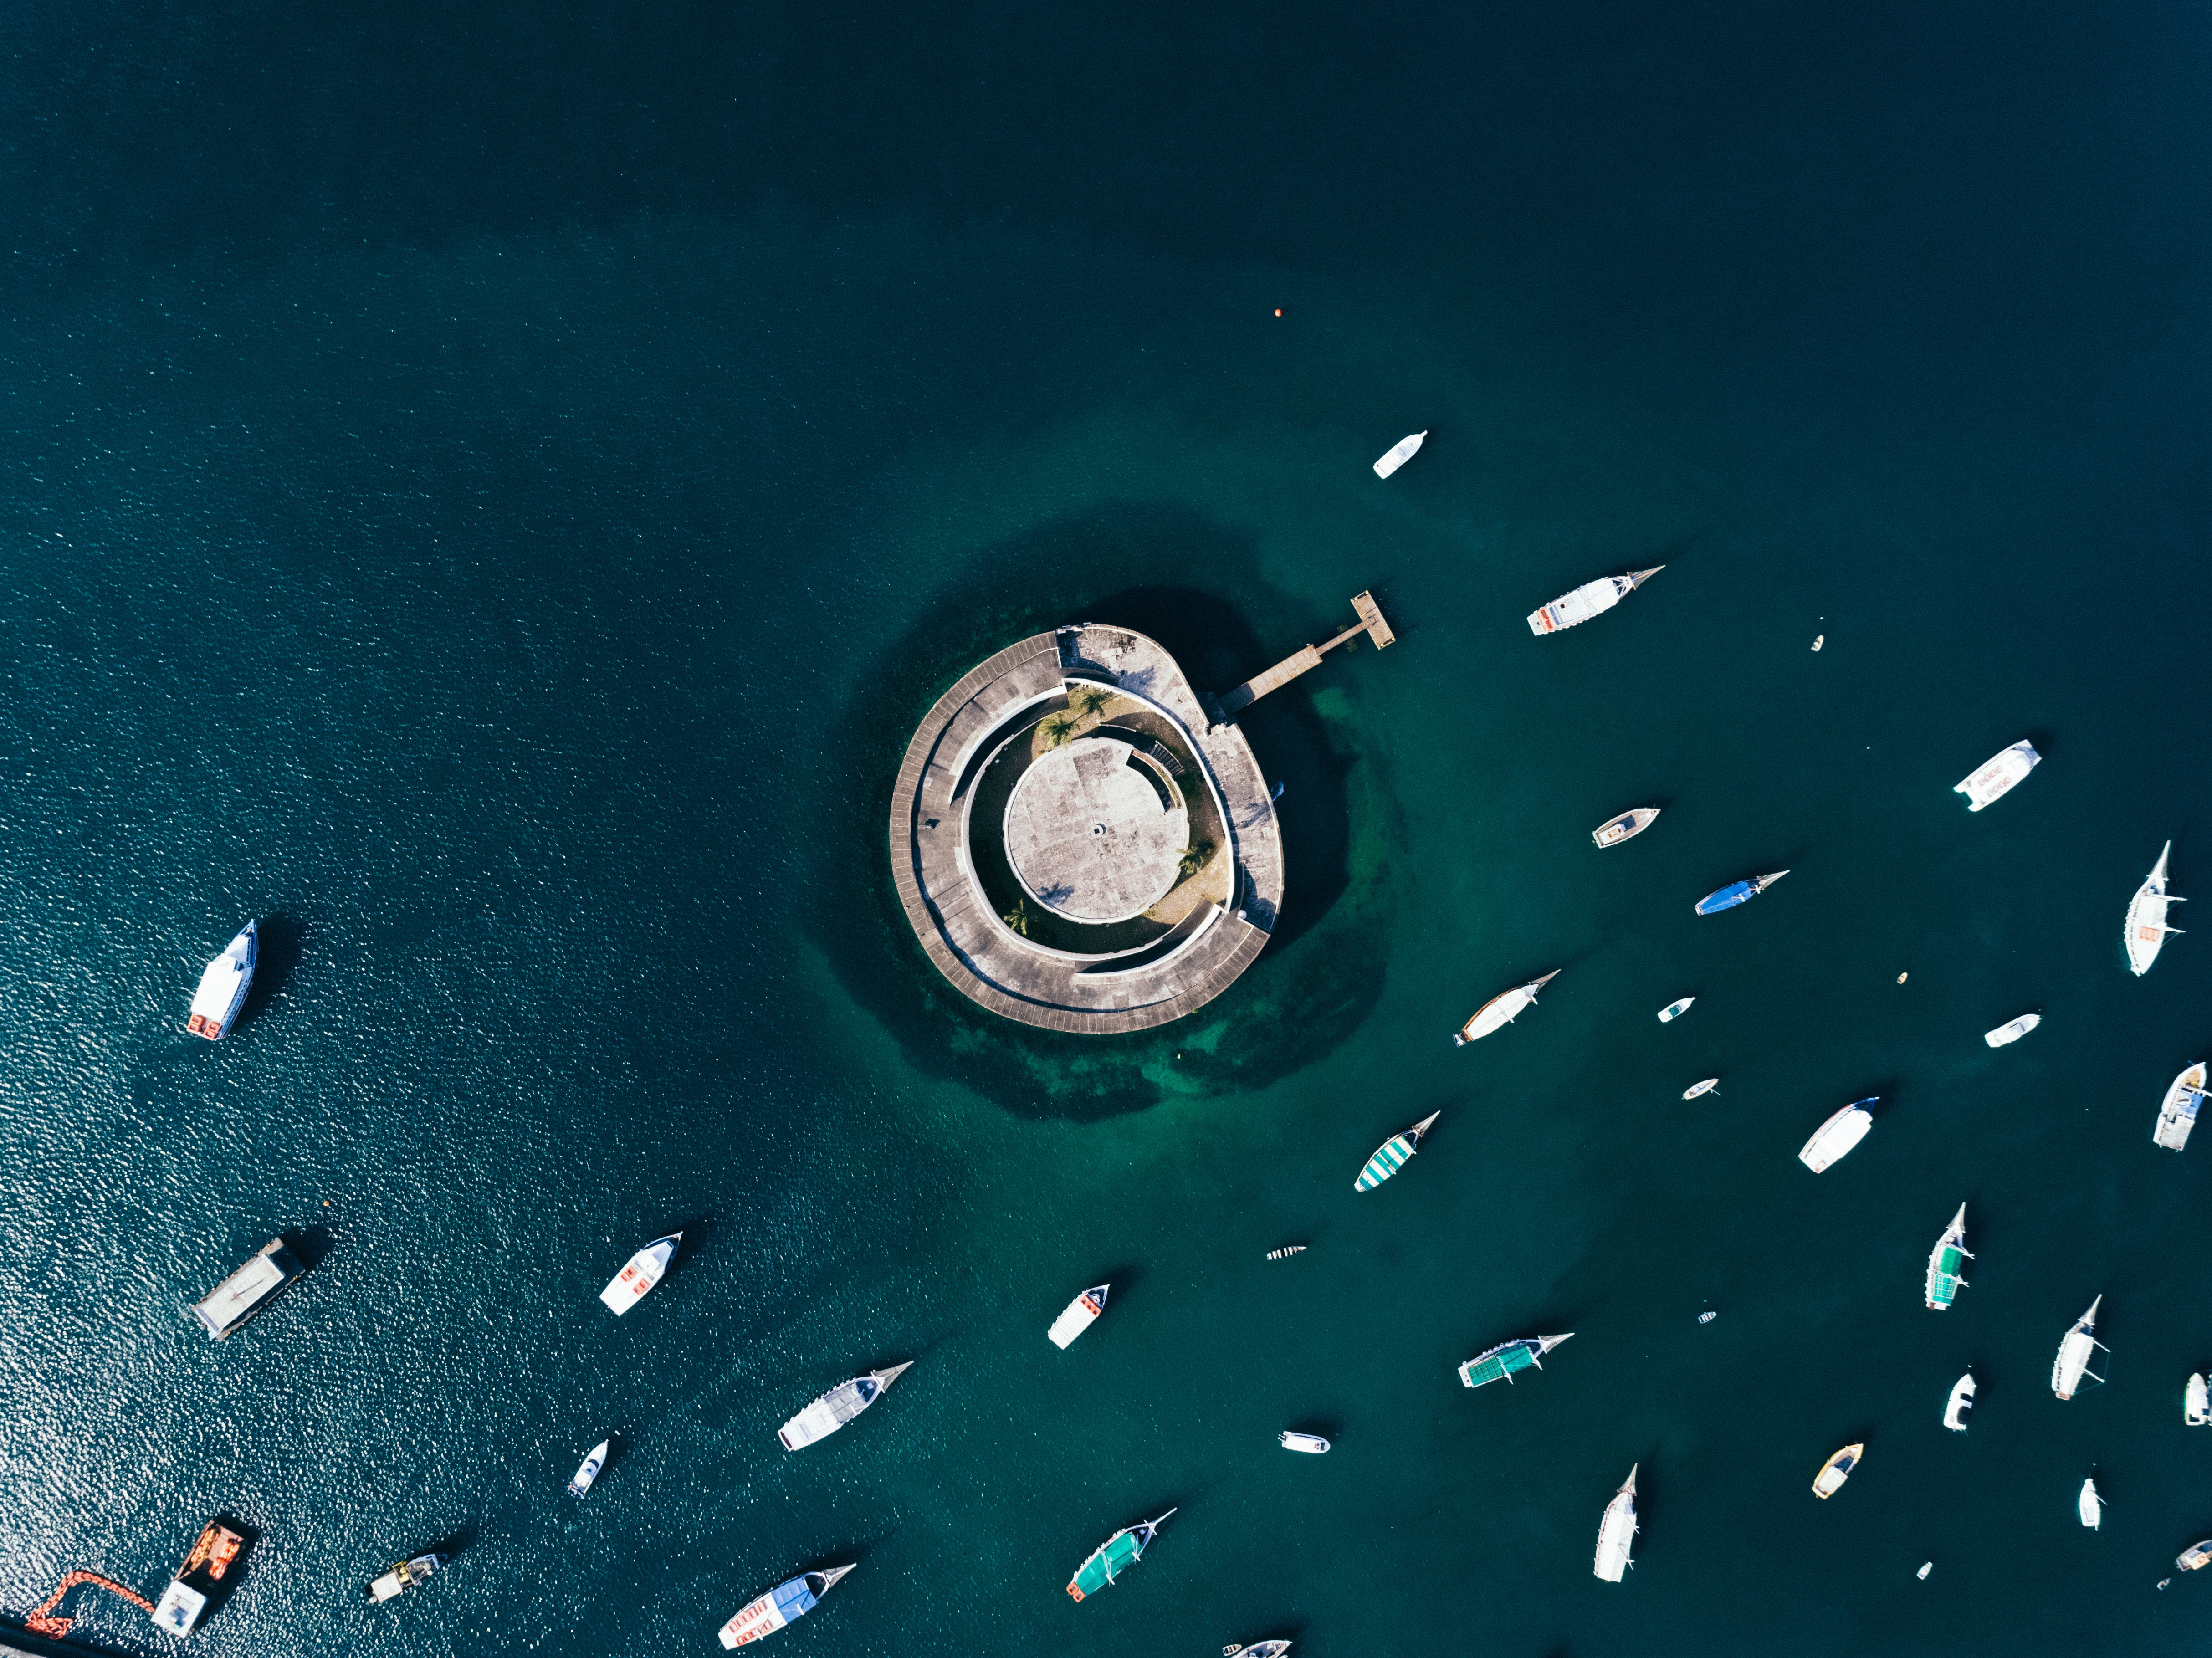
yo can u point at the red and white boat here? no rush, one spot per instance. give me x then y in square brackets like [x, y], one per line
[641, 1273]
[224, 986]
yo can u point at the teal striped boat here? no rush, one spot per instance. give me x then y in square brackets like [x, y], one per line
[1390, 1156]
[1501, 1361]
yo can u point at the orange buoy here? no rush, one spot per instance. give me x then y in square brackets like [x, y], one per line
[1279, 310]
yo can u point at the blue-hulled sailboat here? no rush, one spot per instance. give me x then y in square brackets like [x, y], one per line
[1737, 892]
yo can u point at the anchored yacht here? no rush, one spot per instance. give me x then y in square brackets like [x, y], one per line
[1393, 1155]
[2146, 925]
[1078, 1316]
[1590, 600]
[223, 987]
[1616, 1532]
[2073, 1361]
[2177, 1116]
[792, 1599]
[1961, 1401]
[1398, 454]
[1633, 823]
[1998, 775]
[1836, 1469]
[844, 1402]
[1501, 1011]
[641, 1273]
[1833, 1139]
[1945, 1260]
[2012, 1030]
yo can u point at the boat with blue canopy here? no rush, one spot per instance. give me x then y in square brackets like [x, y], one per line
[1114, 1557]
[794, 1598]
[1737, 892]
[1499, 1363]
[1393, 1155]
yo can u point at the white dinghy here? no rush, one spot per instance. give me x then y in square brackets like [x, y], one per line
[641, 1273]
[1710, 1086]
[1501, 1011]
[1592, 598]
[837, 1407]
[2146, 925]
[2012, 1030]
[2091, 1505]
[1998, 775]
[2195, 1410]
[1399, 454]
[2177, 1115]
[2073, 1361]
[594, 1460]
[1616, 1532]
[1961, 1401]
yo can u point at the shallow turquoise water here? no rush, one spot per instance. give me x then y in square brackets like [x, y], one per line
[511, 568]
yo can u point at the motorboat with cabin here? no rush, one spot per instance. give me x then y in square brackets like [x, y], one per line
[2012, 1030]
[1675, 1010]
[2177, 1114]
[268, 1273]
[1312, 1444]
[1833, 1139]
[1078, 1316]
[588, 1469]
[1998, 776]
[1737, 892]
[1501, 1011]
[1616, 1532]
[1500, 1363]
[791, 1600]
[2072, 1363]
[2196, 1408]
[639, 1273]
[844, 1402]
[2195, 1556]
[1627, 826]
[1393, 1155]
[1114, 1557]
[409, 1574]
[1961, 1401]
[224, 986]
[1399, 454]
[1945, 1262]
[1836, 1469]
[1592, 598]
[2146, 928]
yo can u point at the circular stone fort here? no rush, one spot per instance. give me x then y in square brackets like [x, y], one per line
[1083, 841]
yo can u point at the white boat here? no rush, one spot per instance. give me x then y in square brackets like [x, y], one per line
[2091, 1505]
[2195, 1410]
[1926, 1566]
[2146, 925]
[1501, 1011]
[2194, 1557]
[1834, 1139]
[1398, 454]
[639, 1273]
[1944, 1262]
[2177, 1116]
[1675, 1010]
[1286, 1252]
[1707, 1318]
[793, 1599]
[223, 987]
[268, 1273]
[840, 1405]
[1820, 639]
[2073, 1361]
[1312, 1444]
[1616, 1532]
[1261, 1649]
[1591, 598]
[407, 1575]
[1614, 830]
[1078, 1316]
[2012, 1030]
[588, 1469]
[1836, 1469]
[1998, 775]
[1710, 1086]
[1961, 1401]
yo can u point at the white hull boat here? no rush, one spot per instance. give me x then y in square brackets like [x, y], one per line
[1078, 1316]
[1961, 1401]
[2146, 926]
[838, 1406]
[1836, 1469]
[1926, 1566]
[1834, 1139]
[224, 986]
[1998, 775]
[2073, 1361]
[2012, 1030]
[1399, 454]
[2177, 1116]
[1616, 1532]
[594, 1460]
[2091, 1505]
[1501, 1011]
[1590, 600]
[1675, 1010]
[1710, 1086]
[1628, 824]
[1944, 1262]
[1263, 1649]
[2195, 1410]
[780, 1606]
[639, 1273]
[1312, 1444]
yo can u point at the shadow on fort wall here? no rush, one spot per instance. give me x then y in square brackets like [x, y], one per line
[1192, 585]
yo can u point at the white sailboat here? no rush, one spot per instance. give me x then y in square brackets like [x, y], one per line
[2195, 1410]
[1078, 1316]
[2091, 1505]
[1592, 598]
[1616, 1532]
[639, 1273]
[2146, 926]
[2012, 1030]
[223, 987]
[838, 1406]
[1675, 1010]
[1945, 1260]
[1961, 1401]
[1834, 1139]
[1399, 454]
[2177, 1115]
[1710, 1086]
[1501, 1011]
[594, 1460]
[1998, 775]
[2073, 1361]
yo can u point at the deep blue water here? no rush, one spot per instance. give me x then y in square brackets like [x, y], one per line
[489, 493]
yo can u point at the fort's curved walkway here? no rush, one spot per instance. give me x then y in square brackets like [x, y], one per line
[986, 960]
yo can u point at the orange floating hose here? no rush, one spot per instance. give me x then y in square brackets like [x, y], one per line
[43, 1622]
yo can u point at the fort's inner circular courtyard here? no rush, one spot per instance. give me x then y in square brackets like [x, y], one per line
[1096, 832]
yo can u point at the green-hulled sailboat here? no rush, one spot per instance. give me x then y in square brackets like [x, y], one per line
[1392, 1154]
[1501, 1361]
[1114, 1557]
[1947, 1261]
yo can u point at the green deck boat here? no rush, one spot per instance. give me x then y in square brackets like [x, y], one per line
[1501, 1361]
[1114, 1557]
[1947, 1261]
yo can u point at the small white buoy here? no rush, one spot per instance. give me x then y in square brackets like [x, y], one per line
[1924, 1570]
[1818, 640]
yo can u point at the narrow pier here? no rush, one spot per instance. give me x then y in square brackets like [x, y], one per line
[1370, 622]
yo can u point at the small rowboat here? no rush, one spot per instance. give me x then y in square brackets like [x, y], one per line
[1393, 1155]
[2012, 1030]
[2195, 1410]
[1612, 833]
[1998, 775]
[794, 1598]
[1501, 1011]
[2092, 1506]
[1078, 1316]
[1836, 1469]
[1833, 1139]
[1737, 892]
[594, 1460]
[1114, 1557]
[1398, 454]
[2146, 931]
[642, 1273]
[1675, 1010]
[1312, 1444]
[1710, 1086]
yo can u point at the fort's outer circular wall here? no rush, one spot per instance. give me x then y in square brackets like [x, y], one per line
[984, 958]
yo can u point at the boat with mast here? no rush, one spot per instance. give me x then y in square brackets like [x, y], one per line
[1710, 1086]
[1399, 454]
[1501, 1010]
[639, 1273]
[2146, 929]
[1592, 598]
[1078, 1316]
[2012, 1030]
[1836, 1469]
[1998, 775]
[1499, 1363]
[1616, 1531]
[588, 1469]
[2195, 1407]
[1114, 1557]
[223, 985]
[1737, 892]
[792, 1599]
[1945, 1261]
[1833, 1139]
[2073, 1351]
[838, 1406]
[2091, 1505]
[1393, 1155]
[1961, 1401]
[1629, 824]
[2177, 1115]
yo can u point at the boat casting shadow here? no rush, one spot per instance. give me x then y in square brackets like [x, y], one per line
[220, 1590]
[454, 1544]
[283, 937]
